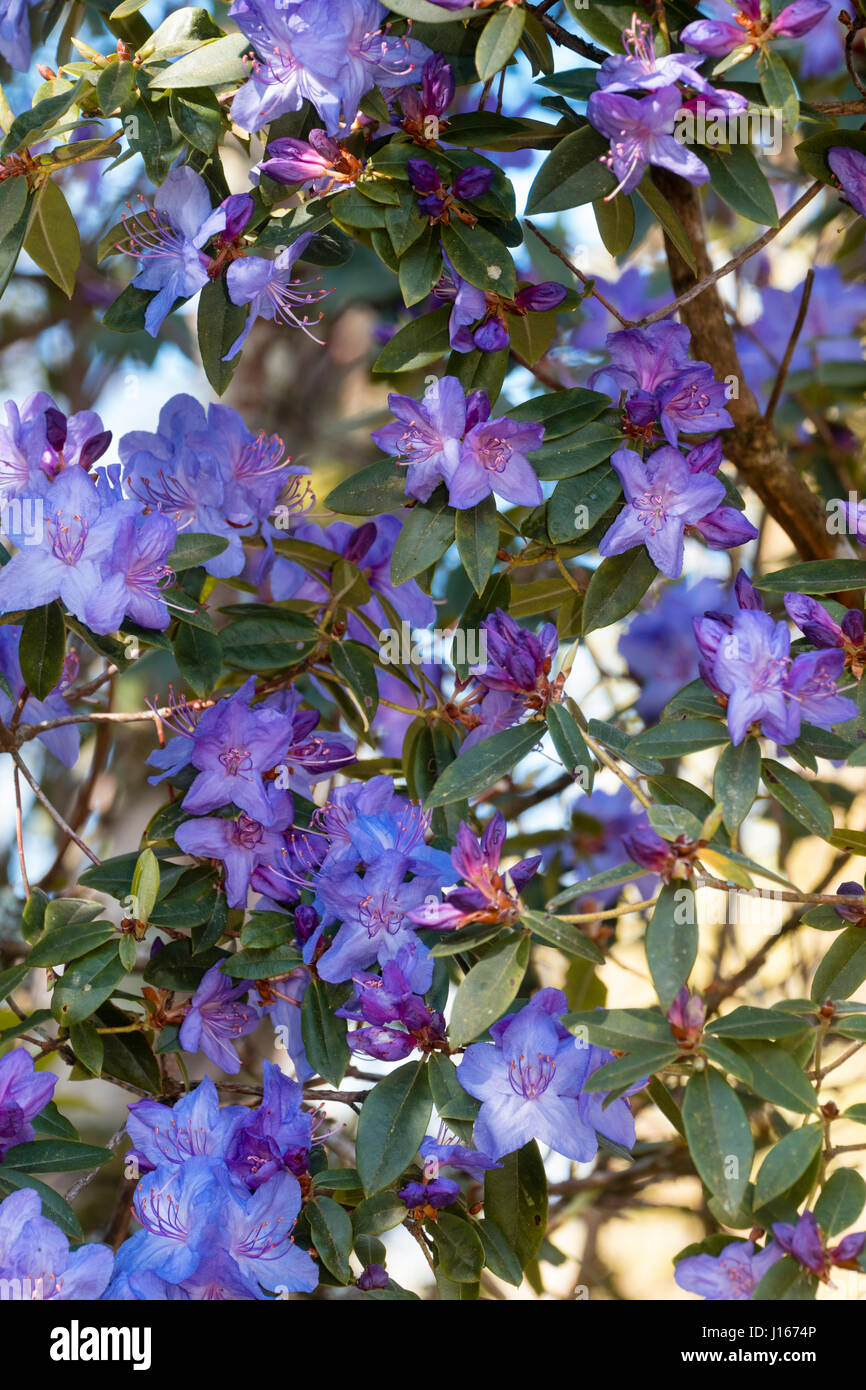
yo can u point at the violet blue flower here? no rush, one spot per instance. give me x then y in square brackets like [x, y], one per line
[641, 133]
[327, 52]
[274, 1137]
[753, 30]
[169, 240]
[529, 1080]
[849, 166]
[272, 294]
[233, 744]
[215, 1019]
[64, 742]
[492, 459]
[245, 847]
[732, 1275]
[426, 435]
[195, 1126]
[662, 497]
[486, 898]
[24, 1091]
[34, 1253]
[15, 32]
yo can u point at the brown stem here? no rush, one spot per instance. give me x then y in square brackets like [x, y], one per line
[752, 445]
[782, 374]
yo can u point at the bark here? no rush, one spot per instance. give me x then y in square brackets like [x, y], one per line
[752, 446]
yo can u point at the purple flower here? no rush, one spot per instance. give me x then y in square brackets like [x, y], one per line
[216, 1019]
[168, 242]
[427, 434]
[640, 68]
[15, 32]
[492, 459]
[486, 897]
[734, 1274]
[373, 911]
[397, 1018]
[850, 911]
[327, 52]
[641, 133]
[233, 744]
[694, 403]
[373, 1277]
[439, 200]
[443, 1152]
[753, 30]
[194, 1126]
[268, 287]
[141, 549]
[317, 164]
[23, 1093]
[469, 307]
[72, 562]
[245, 846]
[433, 100]
[530, 1080]
[815, 622]
[275, 1137]
[35, 1255]
[803, 1241]
[686, 1016]
[515, 672]
[663, 496]
[849, 166]
[38, 442]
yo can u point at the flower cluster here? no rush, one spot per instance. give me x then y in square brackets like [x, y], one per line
[219, 1197]
[23, 1093]
[449, 437]
[36, 1262]
[746, 661]
[479, 319]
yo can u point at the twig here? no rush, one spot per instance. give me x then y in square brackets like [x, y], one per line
[567, 40]
[19, 830]
[586, 279]
[781, 375]
[742, 256]
[52, 810]
[854, 28]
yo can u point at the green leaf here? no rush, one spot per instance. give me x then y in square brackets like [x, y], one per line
[570, 745]
[786, 1162]
[616, 587]
[785, 1282]
[499, 38]
[565, 936]
[561, 412]
[353, 663]
[580, 502]
[841, 1201]
[422, 341]
[486, 991]
[55, 1156]
[53, 1205]
[779, 88]
[193, 549]
[476, 770]
[777, 1077]
[843, 969]
[220, 323]
[477, 536]
[13, 201]
[67, 943]
[624, 1071]
[615, 222]
[427, 533]
[273, 643]
[798, 797]
[738, 179]
[676, 737]
[198, 116]
[88, 1046]
[735, 782]
[451, 1101]
[405, 224]
[128, 1056]
[672, 941]
[750, 1022]
[324, 1034]
[719, 1138]
[479, 257]
[42, 649]
[28, 126]
[420, 268]
[816, 577]
[393, 1121]
[331, 1229]
[458, 1247]
[380, 487]
[87, 983]
[199, 657]
[499, 1258]
[212, 64]
[620, 1028]
[515, 1198]
[115, 85]
[572, 174]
